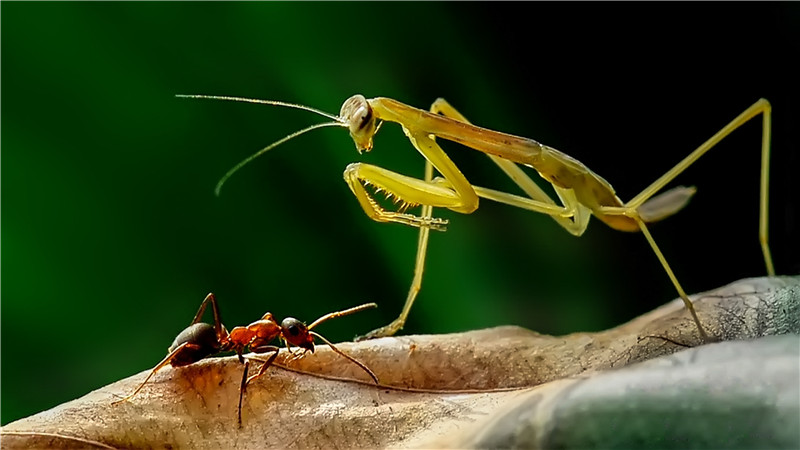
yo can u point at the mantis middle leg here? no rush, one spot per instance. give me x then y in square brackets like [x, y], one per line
[572, 216]
[419, 267]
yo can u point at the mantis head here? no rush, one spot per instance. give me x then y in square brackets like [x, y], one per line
[359, 119]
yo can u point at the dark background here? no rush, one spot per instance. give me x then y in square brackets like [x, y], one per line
[111, 234]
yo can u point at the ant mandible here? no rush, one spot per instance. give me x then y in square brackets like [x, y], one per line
[200, 340]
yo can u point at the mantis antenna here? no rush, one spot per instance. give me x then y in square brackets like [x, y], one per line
[337, 121]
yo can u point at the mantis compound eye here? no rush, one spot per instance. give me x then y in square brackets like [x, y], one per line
[363, 116]
[357, 113]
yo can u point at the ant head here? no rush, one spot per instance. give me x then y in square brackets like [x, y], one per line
[357, 115]
[296, 333]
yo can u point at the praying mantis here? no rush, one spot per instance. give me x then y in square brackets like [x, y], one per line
[581, 192]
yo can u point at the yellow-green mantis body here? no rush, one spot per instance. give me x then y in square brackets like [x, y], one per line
[581, 192]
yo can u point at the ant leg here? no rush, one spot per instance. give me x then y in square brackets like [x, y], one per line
[168, 359]
[289, 347]
[242, 387]
[265, 363]
[199, 316]
[300, 353]
[246, 380]
[218, 327]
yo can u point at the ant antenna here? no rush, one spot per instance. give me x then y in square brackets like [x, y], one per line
[353, 360]
[346, 312]
[337, 121]
[334, 315]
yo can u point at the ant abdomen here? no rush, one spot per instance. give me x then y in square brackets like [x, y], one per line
[202, 342]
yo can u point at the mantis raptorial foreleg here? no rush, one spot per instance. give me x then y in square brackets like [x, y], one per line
[359, 175]
[453, 192]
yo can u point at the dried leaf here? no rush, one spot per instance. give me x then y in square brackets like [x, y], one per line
[441, 390]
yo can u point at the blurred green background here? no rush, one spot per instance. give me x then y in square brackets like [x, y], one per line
[111, 234]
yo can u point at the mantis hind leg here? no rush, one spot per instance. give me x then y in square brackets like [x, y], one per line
[762, 107]
[631, 209]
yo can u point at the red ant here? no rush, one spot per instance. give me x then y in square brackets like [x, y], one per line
[200, 340]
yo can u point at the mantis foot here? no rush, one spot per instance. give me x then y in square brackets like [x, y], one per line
[385, 331]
